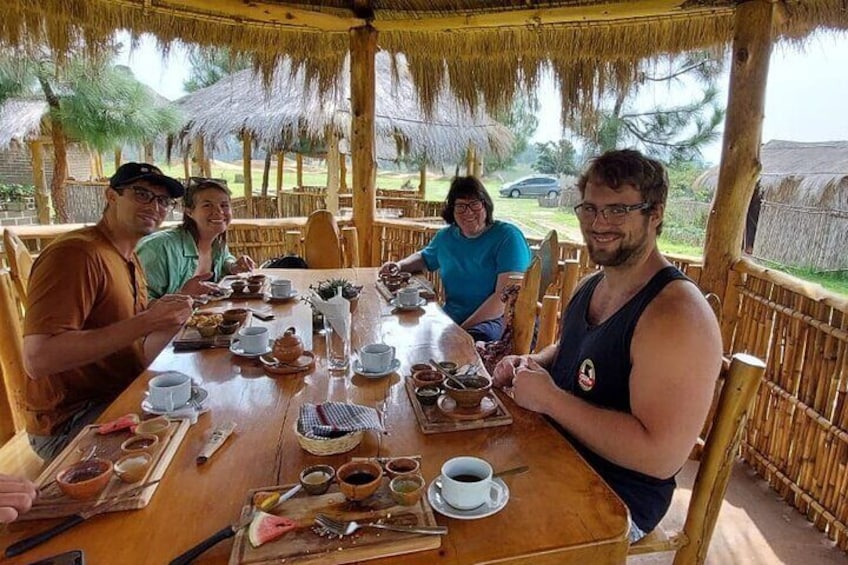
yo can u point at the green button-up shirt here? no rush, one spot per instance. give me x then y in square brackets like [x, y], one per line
[170, 258]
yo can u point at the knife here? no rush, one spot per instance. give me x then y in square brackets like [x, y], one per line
[230, 530]
[28, 543]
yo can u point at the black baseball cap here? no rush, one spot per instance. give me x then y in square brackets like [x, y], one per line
[131, 172]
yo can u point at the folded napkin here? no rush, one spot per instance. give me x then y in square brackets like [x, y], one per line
[336, 310]
[334, 419]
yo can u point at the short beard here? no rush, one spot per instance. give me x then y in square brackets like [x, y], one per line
[624, 255]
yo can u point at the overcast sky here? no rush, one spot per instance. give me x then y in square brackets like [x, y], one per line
[805, 99]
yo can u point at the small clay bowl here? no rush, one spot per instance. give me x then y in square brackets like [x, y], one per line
[359, 479]
[228, 328]
[132, 467]
[421, 367]
[140, 443]
[157, 426]
[238, 286]
[317, 478]
[254, 287]
[428, 395]
[207, 331]
[406, 490]
[85, 479]
[397, 466]
[448, 366]
[427, 377]
[476, 388]
[236, 315]
[256, 279]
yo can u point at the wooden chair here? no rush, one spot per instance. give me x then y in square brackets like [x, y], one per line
[322, 246]
[524, 321]
[548, 253]
[16, 456]
[20, 261]
[720, 448]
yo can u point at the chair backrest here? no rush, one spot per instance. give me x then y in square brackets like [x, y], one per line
[321, 241]
[20, 261]
[11, 361]
[734, 402]
[524, 320]
[548, 253]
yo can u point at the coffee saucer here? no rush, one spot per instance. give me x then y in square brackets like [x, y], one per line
[236, 349]
[360, 370]
[198, 397]
[403, 308]
[278, 299]
[498, 497]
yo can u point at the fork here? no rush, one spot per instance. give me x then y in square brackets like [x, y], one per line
[341, 528]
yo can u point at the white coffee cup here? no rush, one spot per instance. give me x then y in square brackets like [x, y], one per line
[281, 288]
[253, 339]
[376, 357]
[467, 483]
[169, 391]
[408, 296]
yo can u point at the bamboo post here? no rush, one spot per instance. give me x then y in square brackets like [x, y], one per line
[299, 161]
[186, 167]
[98, 165]
[342, 172]
[42, 196]
[422, 180]
[469, 160]
[740, 154]
[350, 246]
[333, 169]
[281, 159]
[248, 177]
[363, 48]
[118, 156]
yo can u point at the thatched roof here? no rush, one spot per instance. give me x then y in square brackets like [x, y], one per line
[799, 173]
[20, 119]
[293, 108]
[492, 47]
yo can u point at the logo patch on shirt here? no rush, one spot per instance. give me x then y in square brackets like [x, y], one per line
[586, 375]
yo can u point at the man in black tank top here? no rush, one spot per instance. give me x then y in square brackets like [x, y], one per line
[631, 380]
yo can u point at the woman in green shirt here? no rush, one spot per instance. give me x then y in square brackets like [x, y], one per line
[185, 259]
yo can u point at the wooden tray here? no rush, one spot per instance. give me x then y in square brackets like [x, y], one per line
[305, 545]
[424, 289]
[189, 338]
[227, 283]
[433, 420]
[51, 503]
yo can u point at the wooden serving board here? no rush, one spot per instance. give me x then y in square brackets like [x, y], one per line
[227, 283]
[306, 545]
[424, 289]
[433, 420]
[189, 338]
[52, 503]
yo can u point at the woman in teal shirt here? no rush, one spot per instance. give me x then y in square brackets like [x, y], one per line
[182, 259]
[475, 255]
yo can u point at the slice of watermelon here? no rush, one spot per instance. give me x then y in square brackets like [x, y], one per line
[267, 527]
[124, 422]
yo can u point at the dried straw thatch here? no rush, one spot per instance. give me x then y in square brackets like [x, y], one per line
[803, 218]
[478, 48]
[293, 108]
[20, 120]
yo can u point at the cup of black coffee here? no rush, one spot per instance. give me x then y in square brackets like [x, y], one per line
[466, 482]
[359, 479]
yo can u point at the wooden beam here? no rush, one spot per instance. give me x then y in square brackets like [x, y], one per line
[469, 160]
[740, 154]
[281, 161]
[42, 196]
[363, 49]
[332, 198]
[342, 173]
[299, 170]
[422, 180]
[534, 17]
[246, 156]
[118, 157]
[243, 14]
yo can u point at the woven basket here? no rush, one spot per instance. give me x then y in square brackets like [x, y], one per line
[329, 446]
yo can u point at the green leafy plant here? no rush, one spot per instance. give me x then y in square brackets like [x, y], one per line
[11, 191]
[328, 288]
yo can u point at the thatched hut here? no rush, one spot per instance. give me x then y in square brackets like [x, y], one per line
[802, 192]
[292, 109]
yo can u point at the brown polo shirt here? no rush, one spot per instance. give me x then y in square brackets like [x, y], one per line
[82, 282]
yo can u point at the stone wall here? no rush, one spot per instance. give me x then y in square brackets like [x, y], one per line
[16, 166]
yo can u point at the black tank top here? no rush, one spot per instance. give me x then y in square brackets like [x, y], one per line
[593, 363]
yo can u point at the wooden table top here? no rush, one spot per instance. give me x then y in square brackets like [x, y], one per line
[560, 511]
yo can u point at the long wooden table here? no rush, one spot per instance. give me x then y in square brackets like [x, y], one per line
[559, 512]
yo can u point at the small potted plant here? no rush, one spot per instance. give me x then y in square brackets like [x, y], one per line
[327, 289]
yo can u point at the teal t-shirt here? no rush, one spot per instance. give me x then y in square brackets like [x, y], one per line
[469, 267]
[170, 258]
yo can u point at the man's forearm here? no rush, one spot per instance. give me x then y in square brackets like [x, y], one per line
[155, 342]
[45, 355]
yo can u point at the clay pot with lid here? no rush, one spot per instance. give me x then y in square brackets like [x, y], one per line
[289, 347]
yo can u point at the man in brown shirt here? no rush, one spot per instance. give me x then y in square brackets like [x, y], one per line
[89, 330]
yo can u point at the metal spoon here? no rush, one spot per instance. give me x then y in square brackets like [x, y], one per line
[511, 471]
